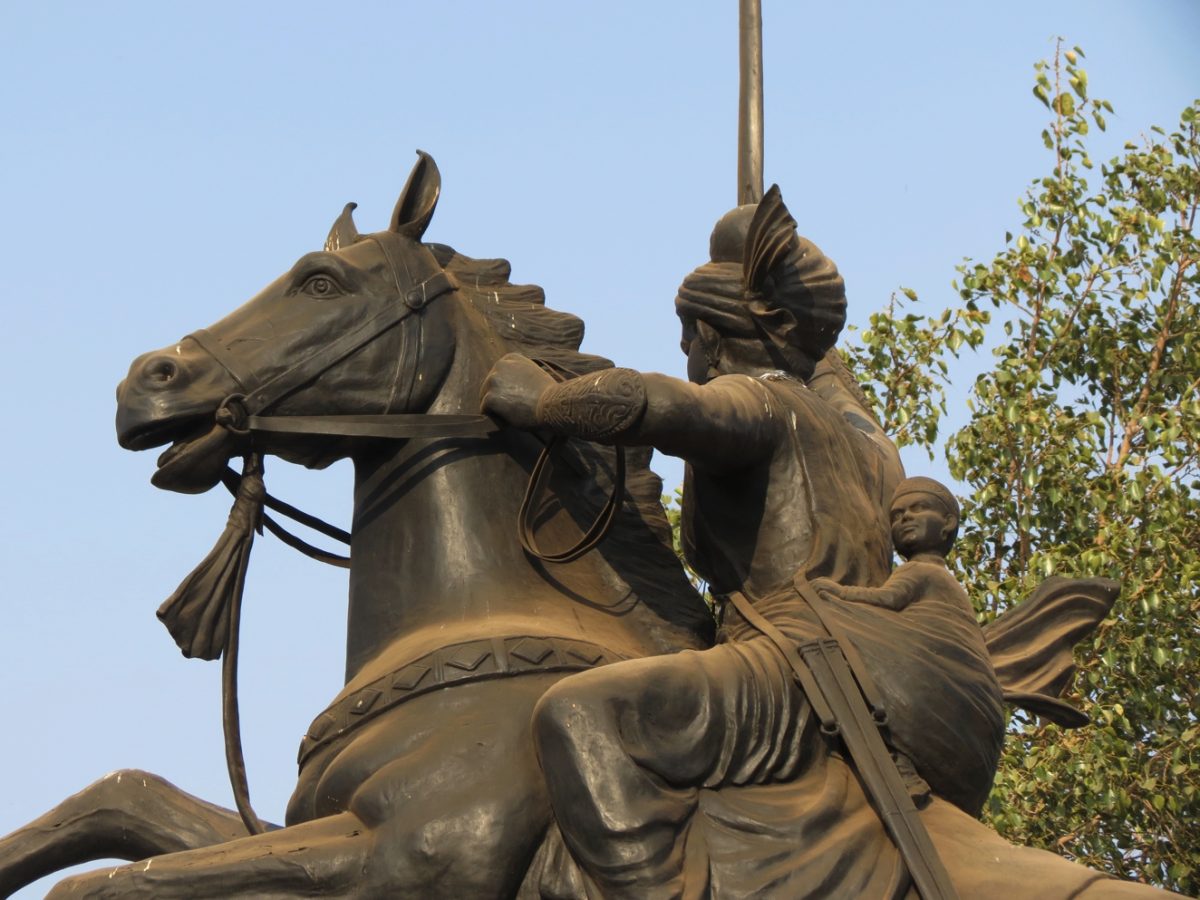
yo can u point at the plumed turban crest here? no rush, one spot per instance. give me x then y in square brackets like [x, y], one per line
[774, 299]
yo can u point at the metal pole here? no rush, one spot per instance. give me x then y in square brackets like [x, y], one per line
[750, 103]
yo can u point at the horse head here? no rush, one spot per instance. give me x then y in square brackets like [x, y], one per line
[312, 343]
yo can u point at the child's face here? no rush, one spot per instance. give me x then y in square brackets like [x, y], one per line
[919, 524]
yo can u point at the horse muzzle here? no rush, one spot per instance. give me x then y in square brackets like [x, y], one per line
[156, 405]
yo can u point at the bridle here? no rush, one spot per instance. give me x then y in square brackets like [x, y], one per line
[243, 413]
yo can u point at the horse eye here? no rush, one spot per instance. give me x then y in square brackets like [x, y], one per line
[321, 286]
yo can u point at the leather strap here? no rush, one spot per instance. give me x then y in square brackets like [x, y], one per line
[838, 689]
[258, 395]
[877, 770]
[786, 646]
[387, 425]
[340, 347]
[232, 482]
[862, 674]
[604, 521]
[593, 536]
[213, 346]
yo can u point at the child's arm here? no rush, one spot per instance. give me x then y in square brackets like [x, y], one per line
[901, 589]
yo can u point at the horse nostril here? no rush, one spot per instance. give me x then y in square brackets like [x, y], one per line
[160, 371]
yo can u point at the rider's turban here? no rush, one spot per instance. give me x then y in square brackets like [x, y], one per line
[769, 293]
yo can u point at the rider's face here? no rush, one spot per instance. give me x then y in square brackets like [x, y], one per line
[697, 355]
[698, 368]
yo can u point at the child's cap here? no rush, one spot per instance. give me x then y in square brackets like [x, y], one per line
[928, 486]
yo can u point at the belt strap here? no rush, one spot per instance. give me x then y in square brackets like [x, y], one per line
[481, 659]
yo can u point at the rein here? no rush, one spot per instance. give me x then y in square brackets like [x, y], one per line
[537, 479]
[203, 614]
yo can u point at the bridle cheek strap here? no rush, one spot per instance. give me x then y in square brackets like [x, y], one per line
[256, 396]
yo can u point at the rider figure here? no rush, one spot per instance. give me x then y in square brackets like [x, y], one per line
[785, 473]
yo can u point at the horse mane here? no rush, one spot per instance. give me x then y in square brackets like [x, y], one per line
[518, 312]
[639, 547]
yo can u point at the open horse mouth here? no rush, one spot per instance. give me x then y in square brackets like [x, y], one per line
[199, 451]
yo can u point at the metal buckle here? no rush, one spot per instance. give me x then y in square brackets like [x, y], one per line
[232, 414]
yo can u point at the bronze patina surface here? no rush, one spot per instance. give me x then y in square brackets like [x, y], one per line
[516, 728]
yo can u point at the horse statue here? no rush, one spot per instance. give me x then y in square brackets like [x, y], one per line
[421, 778]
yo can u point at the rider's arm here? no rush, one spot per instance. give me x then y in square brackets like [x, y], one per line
[728, 423]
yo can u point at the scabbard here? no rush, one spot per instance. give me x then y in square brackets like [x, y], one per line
[880, 778]
[839, 698]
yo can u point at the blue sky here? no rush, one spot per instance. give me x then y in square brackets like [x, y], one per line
[162, 162]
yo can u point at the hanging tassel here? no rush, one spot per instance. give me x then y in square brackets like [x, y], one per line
[197, 614]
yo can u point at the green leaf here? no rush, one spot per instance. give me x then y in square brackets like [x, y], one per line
[1079, 83]
[1064, 104]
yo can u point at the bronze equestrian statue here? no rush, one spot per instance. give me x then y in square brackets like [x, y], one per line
[468, 654]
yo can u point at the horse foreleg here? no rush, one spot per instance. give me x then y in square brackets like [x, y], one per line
[126, 815]
[325, 857]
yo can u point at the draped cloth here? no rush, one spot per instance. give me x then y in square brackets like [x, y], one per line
[929, 662]
[705, 774]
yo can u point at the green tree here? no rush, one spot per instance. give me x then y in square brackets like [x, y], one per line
[1080, 457]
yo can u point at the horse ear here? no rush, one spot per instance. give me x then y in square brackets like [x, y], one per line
[417, 201]
[768, 239]
[343, 233]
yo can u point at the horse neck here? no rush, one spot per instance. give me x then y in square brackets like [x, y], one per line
[434, 537]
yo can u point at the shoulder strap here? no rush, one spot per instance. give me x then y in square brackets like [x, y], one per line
[866, 684]
[788, 648]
